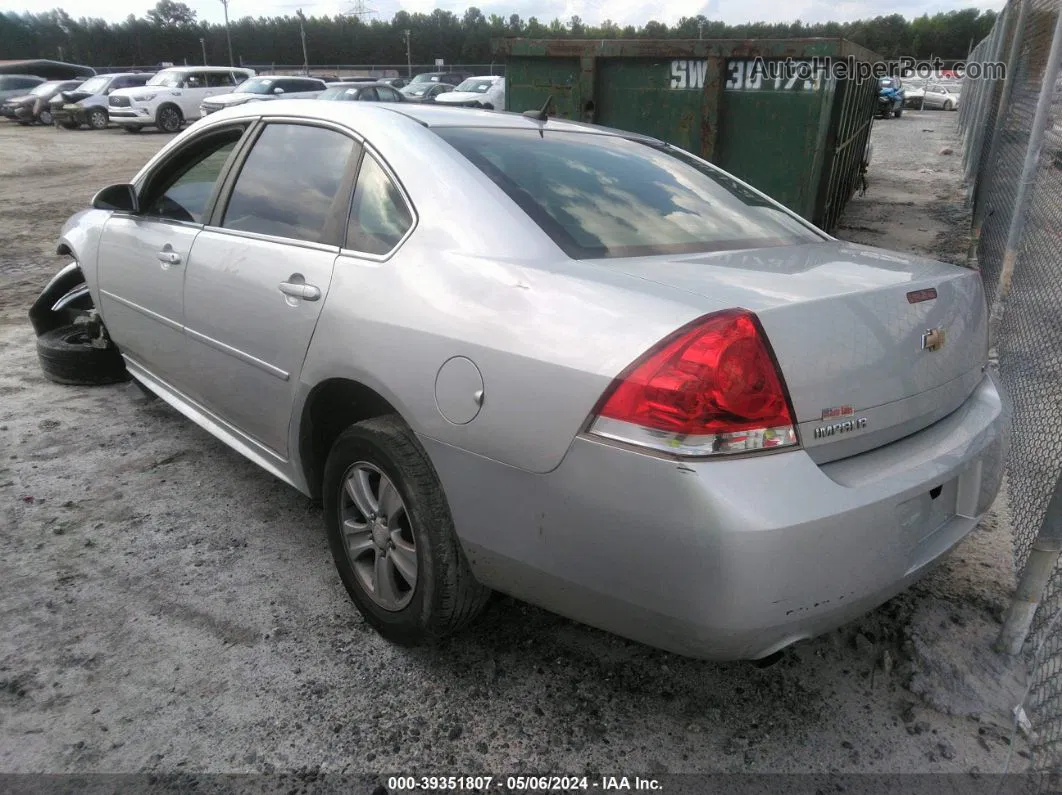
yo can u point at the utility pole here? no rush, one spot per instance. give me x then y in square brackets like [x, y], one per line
[302, 33]
[202, 43]
[228, 36]
[700, 29]
[409, 57]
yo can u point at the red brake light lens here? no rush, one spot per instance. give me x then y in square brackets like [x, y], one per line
[711, 388]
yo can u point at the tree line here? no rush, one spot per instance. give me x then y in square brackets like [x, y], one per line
[170, 32]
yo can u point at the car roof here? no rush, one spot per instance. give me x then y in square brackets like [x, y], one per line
[350, 84]
[375, 119]
[208, 69]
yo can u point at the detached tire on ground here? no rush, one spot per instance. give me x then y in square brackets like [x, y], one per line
[67, 356]
[392, 535]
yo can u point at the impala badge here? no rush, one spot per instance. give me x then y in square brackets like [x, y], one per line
[933, 339]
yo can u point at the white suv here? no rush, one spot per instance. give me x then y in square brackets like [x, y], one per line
[260, 89]
[172, 96]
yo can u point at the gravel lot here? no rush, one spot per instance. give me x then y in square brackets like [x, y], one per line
[167, 606]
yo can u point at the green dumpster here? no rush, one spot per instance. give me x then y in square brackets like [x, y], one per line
[777, 113]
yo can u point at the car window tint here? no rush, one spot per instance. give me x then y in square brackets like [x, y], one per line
[367, 95]
[289, 182]
[217, 79]
[608, 196]
[379, 216]
[184, 196]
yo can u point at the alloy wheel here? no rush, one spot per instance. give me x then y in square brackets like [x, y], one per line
[98, 119]
[378, 536]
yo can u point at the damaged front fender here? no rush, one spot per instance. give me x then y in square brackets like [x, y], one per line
[65, 296]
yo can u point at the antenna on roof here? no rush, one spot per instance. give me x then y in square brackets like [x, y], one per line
[543, 114]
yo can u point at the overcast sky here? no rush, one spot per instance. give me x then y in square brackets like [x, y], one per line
[623, 12]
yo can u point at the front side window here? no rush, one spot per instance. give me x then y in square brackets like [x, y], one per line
[607, 196]
[183, 188]
[367, 95]
[379, 216]
[289, 185]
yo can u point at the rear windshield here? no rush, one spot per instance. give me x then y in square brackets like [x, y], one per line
[605, 196]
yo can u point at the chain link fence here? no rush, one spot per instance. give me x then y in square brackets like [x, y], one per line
[1012, 137]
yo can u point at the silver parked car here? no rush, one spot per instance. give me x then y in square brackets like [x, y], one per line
[636, 391]
[941, 97]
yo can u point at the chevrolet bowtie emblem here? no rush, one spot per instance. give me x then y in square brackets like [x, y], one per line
[933, 339]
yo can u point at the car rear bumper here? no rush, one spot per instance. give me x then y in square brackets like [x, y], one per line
[726, 559]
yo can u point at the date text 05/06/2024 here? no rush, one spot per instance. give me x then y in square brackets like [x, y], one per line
[519, 784]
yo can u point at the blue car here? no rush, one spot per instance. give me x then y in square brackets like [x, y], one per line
[890, 97]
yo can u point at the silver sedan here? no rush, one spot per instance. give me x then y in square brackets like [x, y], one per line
[575, 365]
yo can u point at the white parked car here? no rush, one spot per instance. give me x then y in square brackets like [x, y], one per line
[260, 89]
[477, 92]
[172, 96]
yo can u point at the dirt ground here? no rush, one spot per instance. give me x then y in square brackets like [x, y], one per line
[166, 606]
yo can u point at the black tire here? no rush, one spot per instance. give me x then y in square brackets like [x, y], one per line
[132, 128]
[446, 596]
[949, 105]
[45, 117]
[169, 118]
[67, 356]
[98, 119]
[898, 112]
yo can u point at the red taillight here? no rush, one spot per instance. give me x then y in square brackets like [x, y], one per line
[711, 388]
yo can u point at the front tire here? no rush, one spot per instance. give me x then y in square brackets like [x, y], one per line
[949, 105]
[392, 535]
[169, 119]
[98, 119]
[898, 112]
[45, 117]
[67, 356]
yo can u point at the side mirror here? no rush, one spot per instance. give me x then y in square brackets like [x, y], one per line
[278, 90]
[117, 197]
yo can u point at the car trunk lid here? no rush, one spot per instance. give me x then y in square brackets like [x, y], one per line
[873, 345]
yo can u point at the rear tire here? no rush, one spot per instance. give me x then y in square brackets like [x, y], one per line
[67, 356]
[444, 596]
[98, 119]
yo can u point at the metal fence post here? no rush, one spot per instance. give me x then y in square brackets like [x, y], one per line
[1038, 568]
[981, 189]
[1028, 179]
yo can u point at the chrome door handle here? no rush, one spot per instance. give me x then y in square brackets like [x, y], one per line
[307, 292]
[169, 258]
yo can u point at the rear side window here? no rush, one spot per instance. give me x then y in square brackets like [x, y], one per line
[215, 79]
[289, 185]
[379, 215]
[605, 196]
